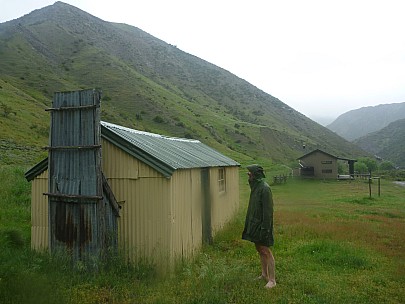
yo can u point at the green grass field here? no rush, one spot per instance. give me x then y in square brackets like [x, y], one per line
[334, 244]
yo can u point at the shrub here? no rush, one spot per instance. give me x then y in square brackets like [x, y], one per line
[14, 238]
[360, 167]
[370, 163]
[386, 165]
[7, 110]
[158, 119]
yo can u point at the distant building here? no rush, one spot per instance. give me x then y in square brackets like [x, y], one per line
[319, 164]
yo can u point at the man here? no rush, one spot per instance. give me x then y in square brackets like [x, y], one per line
[259, 222]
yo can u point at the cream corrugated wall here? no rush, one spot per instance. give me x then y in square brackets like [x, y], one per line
[224, 204]
[39, 212]
[187, 207]
[186, 213]
[143, 194]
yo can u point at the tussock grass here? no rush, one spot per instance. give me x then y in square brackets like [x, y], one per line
[329, 249]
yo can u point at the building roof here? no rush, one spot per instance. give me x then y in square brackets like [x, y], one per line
[318, 150]
[164, 154]
[36, 170]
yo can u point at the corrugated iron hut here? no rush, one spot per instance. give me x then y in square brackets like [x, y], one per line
[320, 164]
[174, 193]
[82, 213]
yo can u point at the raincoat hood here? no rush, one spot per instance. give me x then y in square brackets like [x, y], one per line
[257, 170]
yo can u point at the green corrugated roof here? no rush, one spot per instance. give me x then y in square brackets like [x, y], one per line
[36, 170]
[164, 154]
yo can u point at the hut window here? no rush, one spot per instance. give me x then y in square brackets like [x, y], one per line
[221, 180]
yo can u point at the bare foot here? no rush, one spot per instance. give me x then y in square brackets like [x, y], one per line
[270, 284]
[261, 277]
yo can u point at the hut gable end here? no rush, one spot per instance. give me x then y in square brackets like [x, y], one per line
[318, 164]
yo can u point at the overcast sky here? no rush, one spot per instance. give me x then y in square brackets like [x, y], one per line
[321, 57]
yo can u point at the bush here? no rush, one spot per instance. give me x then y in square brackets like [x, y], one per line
[14, 238]
[387, 165]
[158, 119]
[7, 110]
[370, 163]
[361, 168]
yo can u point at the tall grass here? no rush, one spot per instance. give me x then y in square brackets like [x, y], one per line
[334, 244]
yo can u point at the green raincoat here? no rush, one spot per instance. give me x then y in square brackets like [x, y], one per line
[259, 218]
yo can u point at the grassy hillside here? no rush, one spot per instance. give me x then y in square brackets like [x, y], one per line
[388, 143]
[334, 244]
[23, 126]
[147, 84]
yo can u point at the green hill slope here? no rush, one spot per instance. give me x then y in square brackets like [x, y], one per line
[388, 143]
[147, 84]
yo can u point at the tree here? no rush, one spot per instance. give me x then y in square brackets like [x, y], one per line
[361, 167]
[341, 168]
[370, 163]
[387, 165]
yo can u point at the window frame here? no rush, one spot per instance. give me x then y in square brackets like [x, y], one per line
[221, 180]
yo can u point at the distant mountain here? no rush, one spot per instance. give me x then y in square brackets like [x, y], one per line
[357, 123]
[322, 120]
[388, 143]
[147, 84]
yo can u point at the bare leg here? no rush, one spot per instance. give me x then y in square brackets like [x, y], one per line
[263, 254]
[268, 265]
[272, 271]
